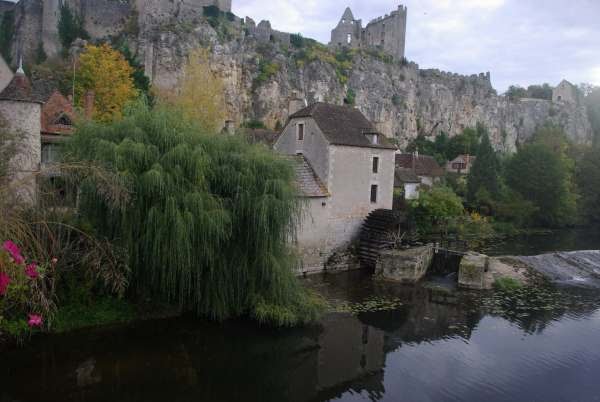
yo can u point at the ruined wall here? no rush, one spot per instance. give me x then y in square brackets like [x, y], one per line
[388, 33]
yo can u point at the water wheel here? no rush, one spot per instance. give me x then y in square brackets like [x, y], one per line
[381, 230]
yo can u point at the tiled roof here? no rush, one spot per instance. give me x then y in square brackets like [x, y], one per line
[309, 184]
[20, 89]
[343, 125]
[403, 176]
[424, 165]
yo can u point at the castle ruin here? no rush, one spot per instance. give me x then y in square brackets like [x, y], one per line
[386, 33]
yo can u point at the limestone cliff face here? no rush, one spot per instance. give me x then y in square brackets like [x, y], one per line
[402, 100]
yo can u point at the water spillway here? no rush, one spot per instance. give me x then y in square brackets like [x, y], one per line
[575, 268]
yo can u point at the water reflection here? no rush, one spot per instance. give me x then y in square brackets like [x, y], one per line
[437, 346]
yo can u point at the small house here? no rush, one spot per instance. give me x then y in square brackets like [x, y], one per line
[461, 164]
[424, 166]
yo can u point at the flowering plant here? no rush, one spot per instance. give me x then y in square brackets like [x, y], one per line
[25, 286]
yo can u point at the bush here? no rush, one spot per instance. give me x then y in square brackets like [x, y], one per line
[350, 98]
[209, 221]
[435, 208]
[266, 70]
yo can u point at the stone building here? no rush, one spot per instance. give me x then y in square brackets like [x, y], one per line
[386, 33]
[40, 120]
[263, 32]
[566, 92]
[461, 164]
[424, 166]
[345, 170]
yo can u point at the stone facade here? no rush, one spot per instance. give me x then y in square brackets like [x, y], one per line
[567, 93]
[333, 222]
[405, 266]
[386, 33]
[263, 32]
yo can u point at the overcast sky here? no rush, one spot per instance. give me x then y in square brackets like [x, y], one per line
[519, 41]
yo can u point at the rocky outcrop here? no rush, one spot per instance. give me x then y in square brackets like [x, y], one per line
[406, 266]
[401, 99]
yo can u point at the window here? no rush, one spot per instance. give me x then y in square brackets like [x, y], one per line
[63, 120]
[349, 38]
[374, 194]
[459, 166]
[50, 153]
[300, 131]
[375, 164]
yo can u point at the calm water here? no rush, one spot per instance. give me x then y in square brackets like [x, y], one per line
[431, 344]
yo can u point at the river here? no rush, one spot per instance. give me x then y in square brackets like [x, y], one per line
[387, 342]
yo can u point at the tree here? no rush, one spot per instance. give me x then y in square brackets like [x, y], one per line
[516, 92]
[483, 175]
[106, 73]
[592, 101]
[540, 91]
[199, 93]
[435, 208]
[588, 182]
[70, 27]
[541, 176]
[210, 217]
[7, 33]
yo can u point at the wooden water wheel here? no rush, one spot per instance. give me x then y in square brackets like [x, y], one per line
[381, 230]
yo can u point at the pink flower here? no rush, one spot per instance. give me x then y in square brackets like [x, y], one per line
[14, 252]
[54, 261]
[4, 282]
[31, 271]
[34, 320]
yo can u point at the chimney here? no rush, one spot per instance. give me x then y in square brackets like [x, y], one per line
[296, 103]
[229, 127]
[88, 104]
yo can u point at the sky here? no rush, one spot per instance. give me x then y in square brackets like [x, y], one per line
[521, 42]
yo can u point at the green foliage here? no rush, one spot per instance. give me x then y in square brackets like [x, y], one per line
[588, 181]
[40, 54]
[210, 217]
[7, 32]
[70, 27]
[483, 177]
[396, 100]
[443, 148]
[341, 60]
[254, 124]
[297, 41]
[435, 208]
[98, 311]
[350, 98]
[508, 285]
[592, 102]
[516, 92]
[541, 175]
[266, 71]
[140, 80]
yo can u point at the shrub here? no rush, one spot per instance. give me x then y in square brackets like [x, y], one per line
[507, 285]
[266, 71]
[350, 97]
[297, 40]
[435, 208]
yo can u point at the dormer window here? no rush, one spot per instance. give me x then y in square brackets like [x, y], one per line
[63, 120]
[300, 131]
[373, 138]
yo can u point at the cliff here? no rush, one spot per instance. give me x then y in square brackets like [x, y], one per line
[262, 69]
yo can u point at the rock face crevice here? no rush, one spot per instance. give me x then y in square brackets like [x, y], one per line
[400, 98]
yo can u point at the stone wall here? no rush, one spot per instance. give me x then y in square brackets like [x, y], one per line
[388, 33]
[24, 119]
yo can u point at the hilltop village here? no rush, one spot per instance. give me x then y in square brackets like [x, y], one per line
[178, 153]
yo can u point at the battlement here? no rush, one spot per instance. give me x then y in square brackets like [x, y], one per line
[387, 33]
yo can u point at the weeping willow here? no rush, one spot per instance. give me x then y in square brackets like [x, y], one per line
[209, 218]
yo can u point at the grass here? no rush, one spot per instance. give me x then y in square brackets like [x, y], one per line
[103, 311]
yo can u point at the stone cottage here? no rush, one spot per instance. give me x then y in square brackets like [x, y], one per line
[424, 166]
[40, 120]
[345, 170]
[461, 164]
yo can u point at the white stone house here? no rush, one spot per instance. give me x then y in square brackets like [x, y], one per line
[461, 164]
[345, 170]
[407, 182]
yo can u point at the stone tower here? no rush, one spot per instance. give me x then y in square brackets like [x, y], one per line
[386, 33]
